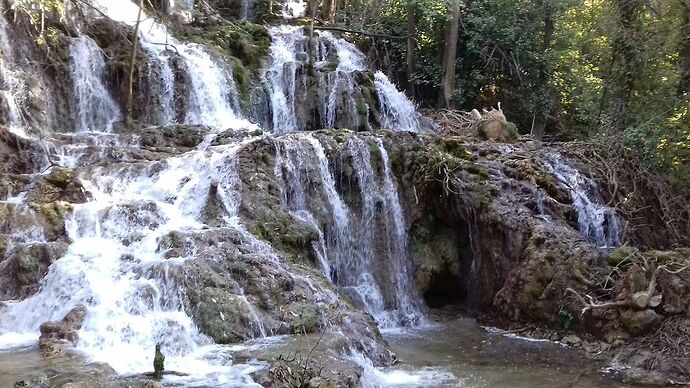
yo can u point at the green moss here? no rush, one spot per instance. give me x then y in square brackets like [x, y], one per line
[512, 133]
[242, 80]
[619, 255]
[455, 148]
[261, 231]
[60, 177]
[476, 169]
[539, 241]
[304, 318]
[54, 212]
[247, 42]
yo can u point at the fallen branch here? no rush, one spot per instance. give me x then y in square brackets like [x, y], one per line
[369, 34]
[593, 305]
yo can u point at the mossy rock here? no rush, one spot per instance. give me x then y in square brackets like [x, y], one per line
[60, 177]
[617, 256]
[303, 318]
[248, 42]
[54, 212]
[220, 315]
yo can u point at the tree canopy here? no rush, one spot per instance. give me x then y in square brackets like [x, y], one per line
[567, 69]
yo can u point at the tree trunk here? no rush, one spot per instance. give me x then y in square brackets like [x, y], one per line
[411, 45]
[684, 84]
[132, 62]
[329, 9]
[541, 116]
[449, 57]
[626, 61]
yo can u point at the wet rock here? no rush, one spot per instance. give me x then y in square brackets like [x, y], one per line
[173, 138]
[302, 56]
[55, 333]
[19, 155]
[572, 340]
[59, 185]
[642, 377]
[639, 323]
[222, 316]
[25, 266]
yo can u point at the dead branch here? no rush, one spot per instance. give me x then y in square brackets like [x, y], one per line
[592, 304]
[360, 32]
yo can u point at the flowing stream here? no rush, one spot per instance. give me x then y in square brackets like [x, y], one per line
[96, 109]
[597, 222]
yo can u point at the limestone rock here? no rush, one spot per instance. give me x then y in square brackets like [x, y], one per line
[640, 323]
[54, 333]
[643, 377]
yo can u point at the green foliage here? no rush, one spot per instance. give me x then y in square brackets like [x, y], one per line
[566, 319]
[584, 66]
[39, 13]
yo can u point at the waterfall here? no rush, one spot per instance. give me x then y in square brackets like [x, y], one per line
[289, 168]
[294, 9]
[398, 113]
[212, 99]
[338, 107]
[245, 9]
[350, 60]
[96, 109]
[115, 267]
[280, 77]
[597, 222]
[346, 242]
[12, 88]
[409, 303]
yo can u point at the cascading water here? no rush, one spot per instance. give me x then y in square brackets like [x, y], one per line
[245, 9]
[280, 77]
[213, 95]
[350, 60]
[115, 268]
[597, 222]
[398, 113]
[294, 9]
[285, 73]
[13, 88]
[96, 109]
[408, 304]
[346, 245]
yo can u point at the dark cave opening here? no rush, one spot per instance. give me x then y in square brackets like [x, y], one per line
[446, 289]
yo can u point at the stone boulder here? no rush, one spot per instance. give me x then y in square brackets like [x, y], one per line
[65, 331]
[61, 184]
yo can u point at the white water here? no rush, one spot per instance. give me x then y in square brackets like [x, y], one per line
[115, 267]
[280, 77]
[289, 166]
[409, 304]
[13, 88]
[96, 109]
[245, 9]
[398, 113]
[346, 246]
[597, 222]
[373, 377]
[350, 60]
[212, 87]
[285, 74]
[294, 9]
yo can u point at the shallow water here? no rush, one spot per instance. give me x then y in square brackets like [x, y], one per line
[461, 353]
[28, 364]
